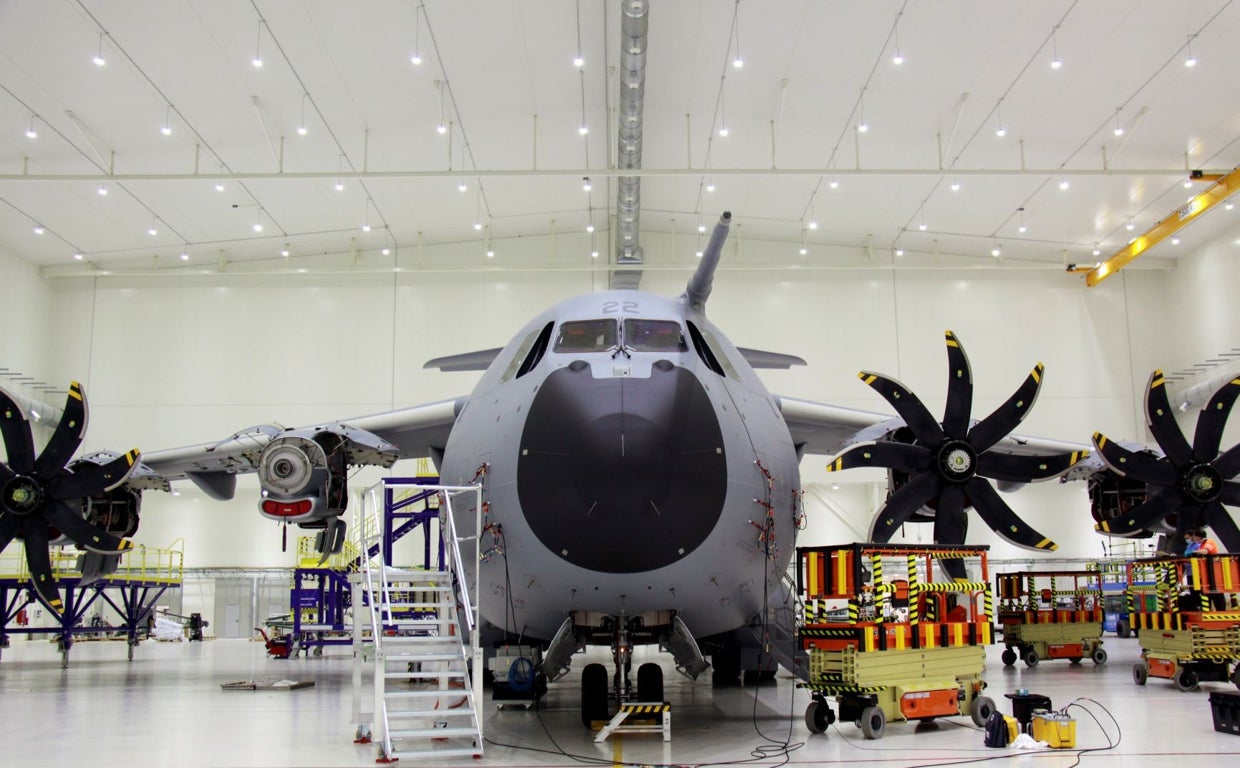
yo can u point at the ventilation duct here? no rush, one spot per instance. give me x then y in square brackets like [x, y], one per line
[633, 27]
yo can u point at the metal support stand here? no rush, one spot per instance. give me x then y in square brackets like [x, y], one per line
[640, 709]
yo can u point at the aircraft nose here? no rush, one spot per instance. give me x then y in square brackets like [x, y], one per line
[618, 459]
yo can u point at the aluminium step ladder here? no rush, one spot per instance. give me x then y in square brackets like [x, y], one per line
[424, 644]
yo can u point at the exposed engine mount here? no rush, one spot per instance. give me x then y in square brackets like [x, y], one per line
[304, 479]
[1112, 496]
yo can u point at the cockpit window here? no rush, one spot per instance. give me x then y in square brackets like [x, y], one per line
[586, 336]
[654, 336]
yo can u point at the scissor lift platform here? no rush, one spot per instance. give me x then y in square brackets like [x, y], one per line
[1051, 615]
[893, 649]
[1187, 619]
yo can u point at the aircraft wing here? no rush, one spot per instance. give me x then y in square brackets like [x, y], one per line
[416, 432]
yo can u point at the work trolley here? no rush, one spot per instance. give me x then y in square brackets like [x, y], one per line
[891, 637]
[1187, 618]
[1051, 615]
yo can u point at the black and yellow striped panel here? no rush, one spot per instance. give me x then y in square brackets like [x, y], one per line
[645, 709]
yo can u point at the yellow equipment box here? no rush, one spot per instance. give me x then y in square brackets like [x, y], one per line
[1056, 729]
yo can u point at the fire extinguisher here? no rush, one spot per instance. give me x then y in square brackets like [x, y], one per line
[22, 619]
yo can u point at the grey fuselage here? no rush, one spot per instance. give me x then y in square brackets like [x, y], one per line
[627, 474]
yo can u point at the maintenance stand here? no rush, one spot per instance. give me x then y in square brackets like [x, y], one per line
[1188, 621]
[910, 647]
[1051, 615]
[142, 576]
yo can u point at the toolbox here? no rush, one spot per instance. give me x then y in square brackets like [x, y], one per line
[1055, 728]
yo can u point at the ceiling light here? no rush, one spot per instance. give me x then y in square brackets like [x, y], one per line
[462, 186]
[1129, 226]
[1097, 251]
[738, 62]
[441, 128]
[184, 256]
[103, 190]
[1022, 228]
[996, 251]
[258, 226]
[922, 226]
[723, 130]
[590, 228]
[1056, 62]
[302, 130]
[386, 251]
[897, 59]
[257, 61]
[284, 251]
[804, 250]
[835, 184]
[594, 254]
[835, 486]
[585, 183]
[1191, 61]
[1229, 206]
[415, 59]
[366, 227]
[1000, 131]
[1188, 183]
[955, 185]
[583, 129]
[478, 226]
[812, 225]
[31, 133]
[1119, 129]
[1063, 184]
[699, 254]
[339, 185]
[490, 254]
[219, 186]
[1175, 241]
[578, 61]
[98, 58]
[77, 257]
[899, 251]
[710, 186]
[701, 228]
[153, 230]
[38, 229]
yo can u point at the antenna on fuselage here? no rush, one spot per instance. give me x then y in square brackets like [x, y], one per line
[698, 290]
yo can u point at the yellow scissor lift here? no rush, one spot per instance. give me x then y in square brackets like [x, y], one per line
[1187, 619]
[1051, 615]
[890, 641]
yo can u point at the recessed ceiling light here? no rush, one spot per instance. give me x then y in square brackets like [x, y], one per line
[835, 184]
[77, 257]
[701, 228]
[1063, 184]
[710, 186]
[38, 229]
[284, 251]
[738, 62]
[415, 59]
[583, 130]
[386, 251]
[441, 129]
[804, 250]
[184, 257]
[219, 186]
[723, 130]
[103, 190]
[152, 230]
[578, 61]
[478, 225]
[594, 254]
[589, 227]
[812, 225]
[339, 186]
[366, 227]
[899, 251]
[1175, 241]
[258, 226]
[490, 253]
[302, 130]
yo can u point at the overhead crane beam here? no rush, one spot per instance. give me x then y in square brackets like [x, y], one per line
[1222, 188]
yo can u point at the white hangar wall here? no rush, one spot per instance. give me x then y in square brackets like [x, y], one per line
[24, 317]
[177, 360]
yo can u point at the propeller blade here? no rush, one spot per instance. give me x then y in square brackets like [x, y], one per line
[1228, 465]
[1008, 416]
[902, 504]
[898, 456]
[6, 474]
[959, 389]
[40, 562]
[67, 437]
[1022, 469]
[1223, 526]
[950, 523]
[89, 478]
[1144, 515]
[1141, 466]
[1161, 421]
[15, 430]
[1231, 495]
[1213, 419]
[84, 534]
[1000, 517]
[10, 525]
[925, 428]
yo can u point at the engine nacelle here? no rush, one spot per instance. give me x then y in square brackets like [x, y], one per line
[1112, 496]
[304, 478]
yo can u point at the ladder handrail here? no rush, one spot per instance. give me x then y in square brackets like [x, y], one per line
[456, 560]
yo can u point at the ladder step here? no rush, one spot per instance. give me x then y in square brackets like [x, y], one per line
[450, 752]
[428, 693]
[459, 674]
[434, 733]
[429, 713]
[424, 656]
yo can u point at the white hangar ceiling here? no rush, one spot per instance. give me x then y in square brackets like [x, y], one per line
[178, 110]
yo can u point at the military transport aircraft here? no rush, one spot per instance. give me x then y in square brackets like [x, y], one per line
[644, 482]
